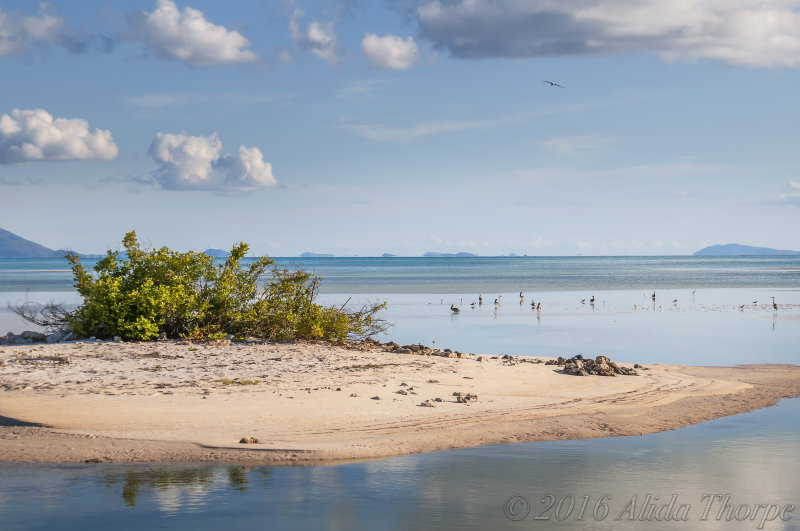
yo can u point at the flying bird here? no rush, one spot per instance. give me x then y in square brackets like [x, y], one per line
[553, 84]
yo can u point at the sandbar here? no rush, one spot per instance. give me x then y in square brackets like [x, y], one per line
[316, 403]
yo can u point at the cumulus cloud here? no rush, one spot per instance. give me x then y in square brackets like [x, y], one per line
[188, 36]
[317, 37]
[740, 32]
[389, 52]
[195, 163]
[19, 33]
[34, 135]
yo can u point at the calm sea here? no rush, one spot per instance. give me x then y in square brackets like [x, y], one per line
[715, 311]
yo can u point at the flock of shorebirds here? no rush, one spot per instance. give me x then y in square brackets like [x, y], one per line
[537, 306]
[534, 305]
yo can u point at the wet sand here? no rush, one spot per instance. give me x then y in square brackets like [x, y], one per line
[310, 403]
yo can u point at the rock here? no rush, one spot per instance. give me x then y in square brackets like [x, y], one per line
[353, 395]
[482, 358]
[249, 440]
[162, 336]
[33, 336]
[402, 351]
[69, 336]
[437, 399]
[428, 403]
[465, 398]
[56, 336]
[602, 359]
[117, 339]
[376, 397]
[402, 392]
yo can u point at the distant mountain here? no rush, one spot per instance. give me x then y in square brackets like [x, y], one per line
[217, 253]
[431, 254]
[734, 249]
[389, 255]
[13, 246]
[316, 255]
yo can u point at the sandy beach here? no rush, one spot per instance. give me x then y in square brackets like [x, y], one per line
[309, 403]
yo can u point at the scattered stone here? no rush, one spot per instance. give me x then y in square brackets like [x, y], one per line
[249, 440]
[338, 388]
[437, 399]
[353, 395]
[428, 403]
[402, 392]
[433, 381]
[376, 397]
[465, 398]
[402, 351]
[482, 358]
[117, 339]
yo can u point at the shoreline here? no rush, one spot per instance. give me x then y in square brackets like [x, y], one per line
[313, 403]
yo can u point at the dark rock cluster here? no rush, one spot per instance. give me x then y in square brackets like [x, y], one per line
[600, 366]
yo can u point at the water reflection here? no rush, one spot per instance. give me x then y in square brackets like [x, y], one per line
[177, 488]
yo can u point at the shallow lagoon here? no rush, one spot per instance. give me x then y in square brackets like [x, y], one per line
[752, 457]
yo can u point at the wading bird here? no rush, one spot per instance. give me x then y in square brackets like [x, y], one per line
[592, 299]
[774, 304]
[553, 84]
[454, 309]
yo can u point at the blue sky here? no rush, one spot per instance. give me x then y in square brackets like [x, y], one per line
[358, 128]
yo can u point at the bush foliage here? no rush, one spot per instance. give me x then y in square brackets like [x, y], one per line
[145, 292]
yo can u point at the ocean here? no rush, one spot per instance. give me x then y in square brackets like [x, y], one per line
[707, 311]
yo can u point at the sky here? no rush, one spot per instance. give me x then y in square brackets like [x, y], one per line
[358, 127]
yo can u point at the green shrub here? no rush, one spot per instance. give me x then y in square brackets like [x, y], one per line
[146, 292]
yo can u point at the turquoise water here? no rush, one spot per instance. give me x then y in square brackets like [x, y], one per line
[482, 274]
[705, 326]
[751, 457]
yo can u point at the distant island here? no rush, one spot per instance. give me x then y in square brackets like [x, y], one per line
[316, 255]
[217, 253]
[431, 254]
[389, 255]
[735, 249]
[14, 246]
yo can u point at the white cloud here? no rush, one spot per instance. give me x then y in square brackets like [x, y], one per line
[19, 33]
[188, 36]
[317, 37]
[741, 32]
[162, 100]
[788, 198]
[390, 52]
[194, 163]
[34, 135]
